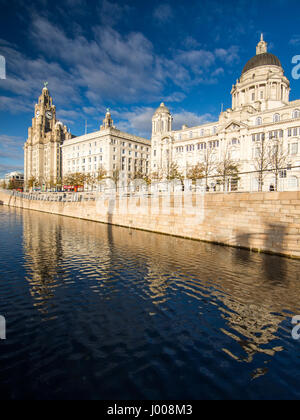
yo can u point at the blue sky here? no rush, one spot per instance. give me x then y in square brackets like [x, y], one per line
[130, 56]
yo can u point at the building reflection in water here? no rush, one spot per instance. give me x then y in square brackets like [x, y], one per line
[251, 304]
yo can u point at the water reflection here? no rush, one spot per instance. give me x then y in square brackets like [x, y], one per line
[247, 290]
[150, 302]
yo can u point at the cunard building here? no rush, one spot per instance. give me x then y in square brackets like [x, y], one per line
[261, 131]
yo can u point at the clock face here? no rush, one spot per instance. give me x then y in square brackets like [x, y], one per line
[37, 113]
[49, 115]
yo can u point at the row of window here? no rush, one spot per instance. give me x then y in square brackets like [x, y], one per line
[295, 131]
[293, 149]
[277, 117]
[275, 134]
[124, 144]
[199, 146]
[259, 121]
[83, 153]
[136, 154]
[84, 160]
[201, 133]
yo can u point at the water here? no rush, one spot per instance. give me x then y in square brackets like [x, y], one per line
[101, 312]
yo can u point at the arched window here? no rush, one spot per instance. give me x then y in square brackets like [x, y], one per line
[215, 130]
[276, 118]
[259, 121]
[296, 113]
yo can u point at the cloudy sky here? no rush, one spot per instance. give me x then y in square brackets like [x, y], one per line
[130, 55]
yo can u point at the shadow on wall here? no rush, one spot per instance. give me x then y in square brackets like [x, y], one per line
[243, 240]
[271, 241]
[275, 267]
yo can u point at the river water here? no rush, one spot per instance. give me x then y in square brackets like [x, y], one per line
[102, 312]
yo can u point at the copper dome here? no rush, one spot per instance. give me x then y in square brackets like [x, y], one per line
[265, 59]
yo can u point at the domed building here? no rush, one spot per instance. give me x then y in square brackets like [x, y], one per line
[263, 84]
[260, 133]
[162, 120]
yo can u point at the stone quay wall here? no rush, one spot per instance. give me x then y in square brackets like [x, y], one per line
[264, 222]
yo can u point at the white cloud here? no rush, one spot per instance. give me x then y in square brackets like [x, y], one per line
[175, 97]
[190, 119]
[295, 41]
[14, 105]
[218, 72]
[139, 120]
[126, 67]
[163, 13]
[10, 146]
[136, 121]
[86, 74]
[11, 150]
[4, 169]
[111, 13]
[229, 56]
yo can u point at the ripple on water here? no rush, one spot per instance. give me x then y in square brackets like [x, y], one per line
[95, 311]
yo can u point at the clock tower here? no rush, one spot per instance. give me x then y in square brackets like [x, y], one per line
[42, 150]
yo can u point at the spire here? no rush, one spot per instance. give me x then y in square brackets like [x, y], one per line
[262, 46]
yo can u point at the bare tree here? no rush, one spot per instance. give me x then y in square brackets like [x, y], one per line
[90, 180]
[261, 161]
[209, 164]
[116, 177]
[228, 170]
[278, 159]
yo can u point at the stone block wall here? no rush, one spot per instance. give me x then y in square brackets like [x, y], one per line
[268, 222]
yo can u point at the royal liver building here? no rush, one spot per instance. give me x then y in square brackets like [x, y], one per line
[42, 150]
[260, 133]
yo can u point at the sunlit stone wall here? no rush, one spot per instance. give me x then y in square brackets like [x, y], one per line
[258, 221]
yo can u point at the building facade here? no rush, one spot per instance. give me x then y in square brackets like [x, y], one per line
[262, 126]
[119, 154]
[259, 133]
[42, 150]
[16, 179]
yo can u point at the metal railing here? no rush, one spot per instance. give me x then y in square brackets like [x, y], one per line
[287, 179]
